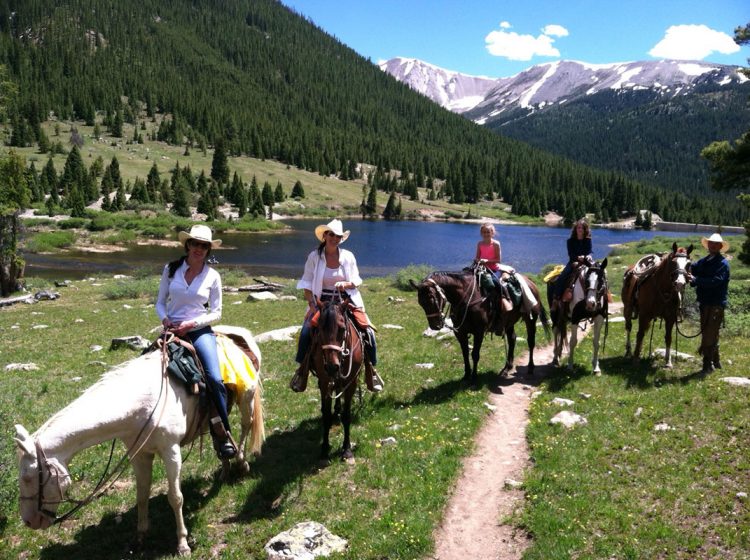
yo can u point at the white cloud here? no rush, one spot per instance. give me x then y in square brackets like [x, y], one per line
[693, 42]
[505, 25]
[555, 30]
[511, 45]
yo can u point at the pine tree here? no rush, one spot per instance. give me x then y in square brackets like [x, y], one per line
[278, 194]
[153, 181]
[220, 163]
[389, 213]
[181, 204]
[297, 190]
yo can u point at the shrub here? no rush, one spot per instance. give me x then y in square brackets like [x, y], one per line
[50, 241]
[414, 272]
[132, 288]
[73, 223]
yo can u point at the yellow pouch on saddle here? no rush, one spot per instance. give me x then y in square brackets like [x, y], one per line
[553, 274]
[236, 368]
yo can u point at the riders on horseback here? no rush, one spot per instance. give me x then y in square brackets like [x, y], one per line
[489, 254]
[330, 269]
[187, 286]
[579, 251]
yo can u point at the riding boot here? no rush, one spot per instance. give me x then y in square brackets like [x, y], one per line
[298, 384]
[707, 365]
[223, 443]
[372, 379]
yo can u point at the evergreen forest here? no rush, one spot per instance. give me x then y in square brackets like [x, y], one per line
[254, 78]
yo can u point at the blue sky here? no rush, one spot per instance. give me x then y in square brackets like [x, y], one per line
[501, 38]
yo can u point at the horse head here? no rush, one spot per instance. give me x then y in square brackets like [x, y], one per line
[42, 482]
[679, 267]
[595, 285]
[333, 325]
[432, 299]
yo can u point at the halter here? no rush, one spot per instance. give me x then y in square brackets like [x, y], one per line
[441, 303]
[41, 483]
[444, 299]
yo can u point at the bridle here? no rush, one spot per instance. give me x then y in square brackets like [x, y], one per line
[600, 290]
[41, 458]
[344, 350]
[442, 300]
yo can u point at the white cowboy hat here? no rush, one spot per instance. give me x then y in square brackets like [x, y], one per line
[335, 226]
[199, 233]
[715, 238]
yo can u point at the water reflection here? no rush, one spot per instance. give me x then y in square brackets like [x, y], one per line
[381, 248]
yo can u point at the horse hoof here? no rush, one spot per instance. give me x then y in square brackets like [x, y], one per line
[348, 459]
[183, 550]
[668, 366]
[243, 466]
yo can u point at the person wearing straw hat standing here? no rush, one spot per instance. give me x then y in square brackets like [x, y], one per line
[710, 277]
[328, 269]
[189, 301]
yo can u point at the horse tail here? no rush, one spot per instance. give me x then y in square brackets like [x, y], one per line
[257, 426]
[561, 327]
[546, 325]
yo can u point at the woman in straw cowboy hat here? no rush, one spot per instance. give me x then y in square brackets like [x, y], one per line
[710, 276]
[328, 269]
[187, 286]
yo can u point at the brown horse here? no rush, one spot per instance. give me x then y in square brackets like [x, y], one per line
[337, 357]
[655, 294]
[473, 314]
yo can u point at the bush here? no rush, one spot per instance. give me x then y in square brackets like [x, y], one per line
[73, 223]
[101, 222]
[132, 288]
[414, 272]
[49, 241]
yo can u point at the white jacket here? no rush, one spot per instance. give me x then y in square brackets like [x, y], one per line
[312, 278]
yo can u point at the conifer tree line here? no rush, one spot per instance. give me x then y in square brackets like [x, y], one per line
[250, 77]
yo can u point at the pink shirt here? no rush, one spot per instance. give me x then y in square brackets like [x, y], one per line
[488, 252]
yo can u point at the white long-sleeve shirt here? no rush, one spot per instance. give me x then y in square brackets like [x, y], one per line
[312, 278]
[182, 302]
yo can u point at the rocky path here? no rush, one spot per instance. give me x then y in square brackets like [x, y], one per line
[473, 522]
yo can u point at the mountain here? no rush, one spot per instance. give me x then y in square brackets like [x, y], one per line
[648, 120]
[260, 80]
[455, 91]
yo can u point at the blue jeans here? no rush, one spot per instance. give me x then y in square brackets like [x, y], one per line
[204, 342]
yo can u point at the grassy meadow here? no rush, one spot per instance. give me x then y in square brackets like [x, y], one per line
[613, 489]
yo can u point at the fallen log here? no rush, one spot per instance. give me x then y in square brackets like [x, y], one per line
[28, 298]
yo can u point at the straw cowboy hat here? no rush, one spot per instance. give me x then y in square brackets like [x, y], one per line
[334, 226]
[715, 238]
[199, 233]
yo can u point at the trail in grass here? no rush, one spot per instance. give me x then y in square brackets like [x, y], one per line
[473, 522]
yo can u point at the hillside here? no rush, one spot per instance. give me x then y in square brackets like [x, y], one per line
[266, 83]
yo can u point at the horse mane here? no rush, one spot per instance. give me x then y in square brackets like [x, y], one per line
[108, 377]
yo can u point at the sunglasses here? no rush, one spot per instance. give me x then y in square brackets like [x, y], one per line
[200, 245]
[331, 234]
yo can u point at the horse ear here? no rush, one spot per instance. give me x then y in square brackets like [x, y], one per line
[24, 441]
[413, 284]
[604, 263]
[674, 247]
[690, 249]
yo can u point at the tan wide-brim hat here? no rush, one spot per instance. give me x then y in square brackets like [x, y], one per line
[199, 233]
[334, 226]
[715, 238]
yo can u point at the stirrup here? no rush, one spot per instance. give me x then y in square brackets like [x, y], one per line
[374, 382]
[298, 383]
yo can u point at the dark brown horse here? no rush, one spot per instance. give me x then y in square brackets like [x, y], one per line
[655, 293]
[590, 303]
[337, 356]
[473, 314]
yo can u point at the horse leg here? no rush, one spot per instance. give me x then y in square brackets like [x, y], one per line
[531, 340]
[325, 410]
[478, 338]
[346, 419]
[142, 466]
[572, 344]
[668, 343]
[246, 416]
[598, 320]
[173, 465]
[643, 324]
[628, 327]
[463, 340]
[510, 336]
[558, 344]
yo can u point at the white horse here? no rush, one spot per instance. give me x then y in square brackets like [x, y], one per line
[151, 413]
[590, 302]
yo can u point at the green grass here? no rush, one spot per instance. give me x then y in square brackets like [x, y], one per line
[612, 489]
[616, 488]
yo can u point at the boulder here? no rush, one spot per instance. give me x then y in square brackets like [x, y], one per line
[736, 381]
[304, 541]
[135, 342]
[285, 334]
[568, 419]
[261, 296]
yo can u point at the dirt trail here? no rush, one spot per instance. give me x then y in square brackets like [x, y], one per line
[472, 525]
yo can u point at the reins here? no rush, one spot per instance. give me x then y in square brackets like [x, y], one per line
[445, 301]
[345, 351]
[107, 478]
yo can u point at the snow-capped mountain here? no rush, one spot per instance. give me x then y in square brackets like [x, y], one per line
[455, 91]
[553, 83]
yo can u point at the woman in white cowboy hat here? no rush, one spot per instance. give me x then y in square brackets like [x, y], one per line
[187, 286]
[330, 268]
[710, 276]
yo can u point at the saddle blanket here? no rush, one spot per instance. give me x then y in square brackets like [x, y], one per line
[237, 370]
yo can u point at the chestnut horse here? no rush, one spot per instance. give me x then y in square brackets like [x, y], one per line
[657, 294]
[337, 357]
[472, 314]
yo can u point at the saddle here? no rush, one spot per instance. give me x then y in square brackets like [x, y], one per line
[640, 271]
